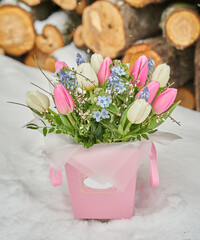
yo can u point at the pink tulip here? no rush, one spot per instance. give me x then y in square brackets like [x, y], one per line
[149, 91]
[63, 100]
[140, 71]
[59, 65]
[104, 71]
[164, 101]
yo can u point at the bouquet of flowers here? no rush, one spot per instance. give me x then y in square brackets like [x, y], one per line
[117, 109]
[102, 101]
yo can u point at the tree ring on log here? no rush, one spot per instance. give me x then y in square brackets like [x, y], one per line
[45, 61]
[134, 52]
[66, 4]
[141, 3]
[103, 29]
[182, 28]
[31, 3]
[50, 40]
[17, 34]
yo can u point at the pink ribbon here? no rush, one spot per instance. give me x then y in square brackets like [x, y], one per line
[55, 180]
[154, 176]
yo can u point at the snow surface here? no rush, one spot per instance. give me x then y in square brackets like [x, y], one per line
[31, 209]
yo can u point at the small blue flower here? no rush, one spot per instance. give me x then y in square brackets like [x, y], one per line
[113, 79]
[67, 79]
[151, 65]
[145, 94]
[97, 116]
[119, 87]
[105, 114]
[79, 59]
[119, 70]
[104, 101]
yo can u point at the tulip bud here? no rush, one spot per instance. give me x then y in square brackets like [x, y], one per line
[161, 74]
[149, 91]
[96, 61]
[37, 101]
[63, 100]
[59, 65]
[139, 111]
[164, 101]
[104, 71]
[140, 71]
[89, 81]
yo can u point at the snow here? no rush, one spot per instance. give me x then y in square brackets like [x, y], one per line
[32, 209]
[57, 19]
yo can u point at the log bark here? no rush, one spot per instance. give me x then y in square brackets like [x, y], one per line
[197, 75]
[38, 12]
[17, 34]
[186, 95]
[56, 31]
[141, 3]
[181, 25]
[110, 28]
[180, 62]
[66, 4]
[45, 61]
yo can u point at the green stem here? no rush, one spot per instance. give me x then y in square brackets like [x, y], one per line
[91, 96]
[127, 128]
[52, 112]
[71, 119]
[64, 120]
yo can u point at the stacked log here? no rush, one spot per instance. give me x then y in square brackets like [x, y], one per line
[197, 75]
[113, 28]
[158, 49]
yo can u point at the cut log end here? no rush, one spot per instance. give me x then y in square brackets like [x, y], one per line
[182, 28]
[187, 98]
[134, 52]
[141, 3]
[45, 61]
[103, 29]
[17, 34]
[78, 37]
[31, 3]
[2, 52]
[50, 40]
[66, 4]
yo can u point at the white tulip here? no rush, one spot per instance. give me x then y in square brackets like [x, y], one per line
[139, 111]
[88, 79]
[161, 74]
[37, 101]
[96, 61]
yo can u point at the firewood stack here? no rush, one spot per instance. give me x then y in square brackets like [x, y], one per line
[163, 30]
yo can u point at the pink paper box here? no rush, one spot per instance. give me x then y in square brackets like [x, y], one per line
[91, 203]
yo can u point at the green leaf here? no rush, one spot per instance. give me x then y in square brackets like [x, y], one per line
[145, 136]
[113, 108]
[32, 126]
[124, 115]
[139, 137]
[58, 131]
[122, 97]
[154, 124]
[51, 130]
[120, 129]
[45, 131]
[152, 131]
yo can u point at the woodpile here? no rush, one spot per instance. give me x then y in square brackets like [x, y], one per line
[163, 30]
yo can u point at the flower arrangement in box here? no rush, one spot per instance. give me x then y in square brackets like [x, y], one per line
[110, 114]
